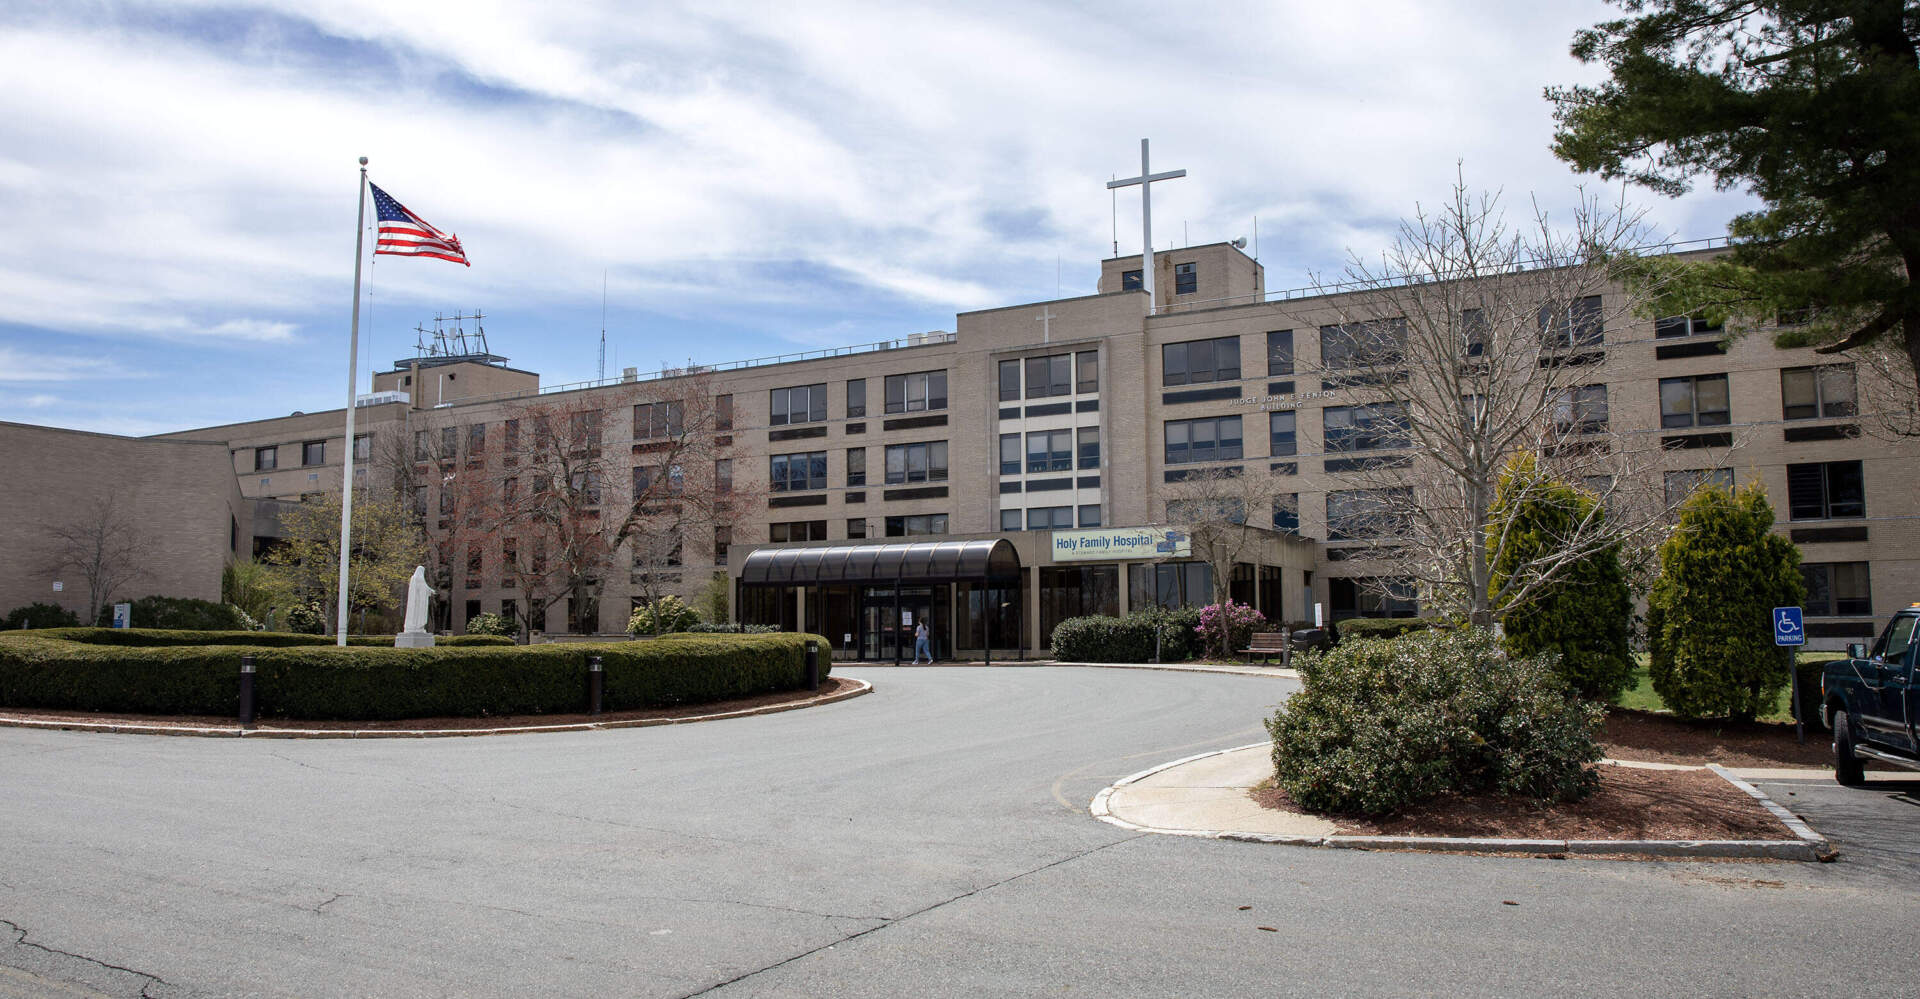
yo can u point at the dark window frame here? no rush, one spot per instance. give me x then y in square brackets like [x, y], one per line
[902, 401]
[1198, 362]
[799, 471]
[933, 461]
[1827, 490]
[780, 405]
[1695, 416]
[1189, 451]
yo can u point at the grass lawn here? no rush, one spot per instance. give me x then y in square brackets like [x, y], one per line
[1641, 696]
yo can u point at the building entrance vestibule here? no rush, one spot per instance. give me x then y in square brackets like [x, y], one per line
[889, 615]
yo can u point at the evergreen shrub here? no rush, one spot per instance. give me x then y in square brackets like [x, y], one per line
[478, 677]
[1101, 638]
[490, 624]
[663, 616]
[40, 615]
[1381, 627]
[184, 614]
[1379, 726]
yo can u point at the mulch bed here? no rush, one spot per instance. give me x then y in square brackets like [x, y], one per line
[1652, 737]
[1630, 804]
[829, 685]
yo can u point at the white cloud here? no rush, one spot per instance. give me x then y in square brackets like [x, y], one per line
[27, 367]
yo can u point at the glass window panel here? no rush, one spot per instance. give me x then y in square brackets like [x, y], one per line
[1836, 390]
[1200, 361]
[937, 390]
[1088, 363]
[1226, 359]
[1037, 378]
[1280, 353]
[856, 397]
[1710, 400]
[1089, 447]
[1090, 515]
[1799, 394]
[1280, 428]
[1676, 402]
[1009, 520]
[1009, 381]
[1846, 490]
[1009, 454]
[1173, 364]
[1060, 373]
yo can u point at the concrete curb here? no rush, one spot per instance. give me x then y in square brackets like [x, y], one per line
[1270, 672]
[1807, 846]
[236, 732]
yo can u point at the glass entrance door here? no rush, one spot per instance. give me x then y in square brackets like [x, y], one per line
[885, 628]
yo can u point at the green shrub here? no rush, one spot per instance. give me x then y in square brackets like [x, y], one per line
[1381, 627]
[164, 638]
[307, 618]
[298, 679]
[667, 614]
[1709, 615]
[1584, 614]
[1130, 639]
[729, 628]
[39, 615]
[489, 624]
[185, 614]
[1379, 726]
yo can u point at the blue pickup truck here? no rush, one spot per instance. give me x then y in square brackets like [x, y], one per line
[1872, 700]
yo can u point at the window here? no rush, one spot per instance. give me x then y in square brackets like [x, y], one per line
[642, 482]
[477, 439]
[1196, 361]
[722, 476]
[1050, 518]
[653, 420]
[1090, 515]
[1837, 589]
[1574, 324]
[1009, 381]
[1212, 438]
[422, 446]
[801, 404]
[1279, 353]
[1050, 451]
[1368, 513]
[797, 530]
[857, 397]
[313, 453]
[1812, 393]
[266, 459]
[1048, 376]
[419, 501]
[723, 412]
[1371, 597]
[1364, 428]
[1894, 642]
[1376, 343]
[1280, 433]
[1186, 281]
[362, 447]
[1219, 510]
[1087, 366]
[917, 392]
[1169, 585]
[1681, 484]
[1089, 447]
[856, 528]
[1826, 490]
[649, 555]
[794, 472]
[1010, 520]
[722, 541]
[1475, 331]
[1581, 410]
[856, 466]
[586, 484]
[1699, 400]
[1009, 454]
[917, 462]
[1130, 281]
[510, 437]
[916, 524]
[446, 499]
[1286, 512]
[450, 440]
[1671, 326]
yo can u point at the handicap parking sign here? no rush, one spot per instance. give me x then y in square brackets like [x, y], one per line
[1787, 629]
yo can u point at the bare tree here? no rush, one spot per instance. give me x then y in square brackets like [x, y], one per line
[104, 543]
[1223, 511]
[1468, 342]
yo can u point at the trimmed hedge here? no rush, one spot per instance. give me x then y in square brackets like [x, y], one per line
[316, 681]
[166, 637]
[183, 614]
[1101, 639]
[1379, 726]
[1380, 627]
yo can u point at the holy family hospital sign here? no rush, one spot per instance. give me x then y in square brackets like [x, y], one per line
[1117, 543]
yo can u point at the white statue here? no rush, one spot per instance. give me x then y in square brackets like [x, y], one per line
[414, 628]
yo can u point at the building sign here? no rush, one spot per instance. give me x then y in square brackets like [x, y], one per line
[1286, 400]
[1113, 543]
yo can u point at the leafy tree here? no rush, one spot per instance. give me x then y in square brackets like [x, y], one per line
[387, 544]
[1814, 106]
[1584, 614]
[1709, 616]
[254, 587]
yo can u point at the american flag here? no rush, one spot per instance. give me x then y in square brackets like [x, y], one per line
[404, 234]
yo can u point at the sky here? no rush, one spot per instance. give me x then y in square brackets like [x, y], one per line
[177, 180]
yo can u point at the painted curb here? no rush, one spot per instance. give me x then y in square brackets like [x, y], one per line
[1271, 672]
[236, 732]
[1807, 846]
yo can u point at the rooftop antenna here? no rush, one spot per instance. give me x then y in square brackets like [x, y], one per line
[603, 324]
[1256, 237]
[1114, 212]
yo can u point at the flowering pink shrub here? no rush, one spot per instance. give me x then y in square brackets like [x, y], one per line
[1228, 626]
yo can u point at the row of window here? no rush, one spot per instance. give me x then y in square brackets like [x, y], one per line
[1050, 518]
[266, 459]
[1050, 375]
[917, 392]
[922, 462]
[904, 526]
[1051, 450]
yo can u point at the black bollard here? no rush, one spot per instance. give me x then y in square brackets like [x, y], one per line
[596, 684]
[813, 665]
[246, 689]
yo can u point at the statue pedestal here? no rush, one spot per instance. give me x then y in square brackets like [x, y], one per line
[413, 640]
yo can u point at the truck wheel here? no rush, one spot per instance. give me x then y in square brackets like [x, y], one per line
[1846, 766]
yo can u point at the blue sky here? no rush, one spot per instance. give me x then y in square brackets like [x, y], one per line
[751, 178]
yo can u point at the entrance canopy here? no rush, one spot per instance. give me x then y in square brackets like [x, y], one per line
[922, 562]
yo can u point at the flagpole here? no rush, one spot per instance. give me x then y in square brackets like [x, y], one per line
[353, 384]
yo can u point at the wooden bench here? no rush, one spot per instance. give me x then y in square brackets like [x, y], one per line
[1268, 644]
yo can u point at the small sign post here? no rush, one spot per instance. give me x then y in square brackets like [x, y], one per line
[123, 615]
[1789, 632]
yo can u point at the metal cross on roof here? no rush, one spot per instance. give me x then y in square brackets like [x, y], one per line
[1145, 180]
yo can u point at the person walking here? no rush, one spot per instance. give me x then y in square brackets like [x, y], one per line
[920, 646]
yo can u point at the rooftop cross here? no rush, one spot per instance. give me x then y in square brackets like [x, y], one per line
[1145, 180]
[1045, 320]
